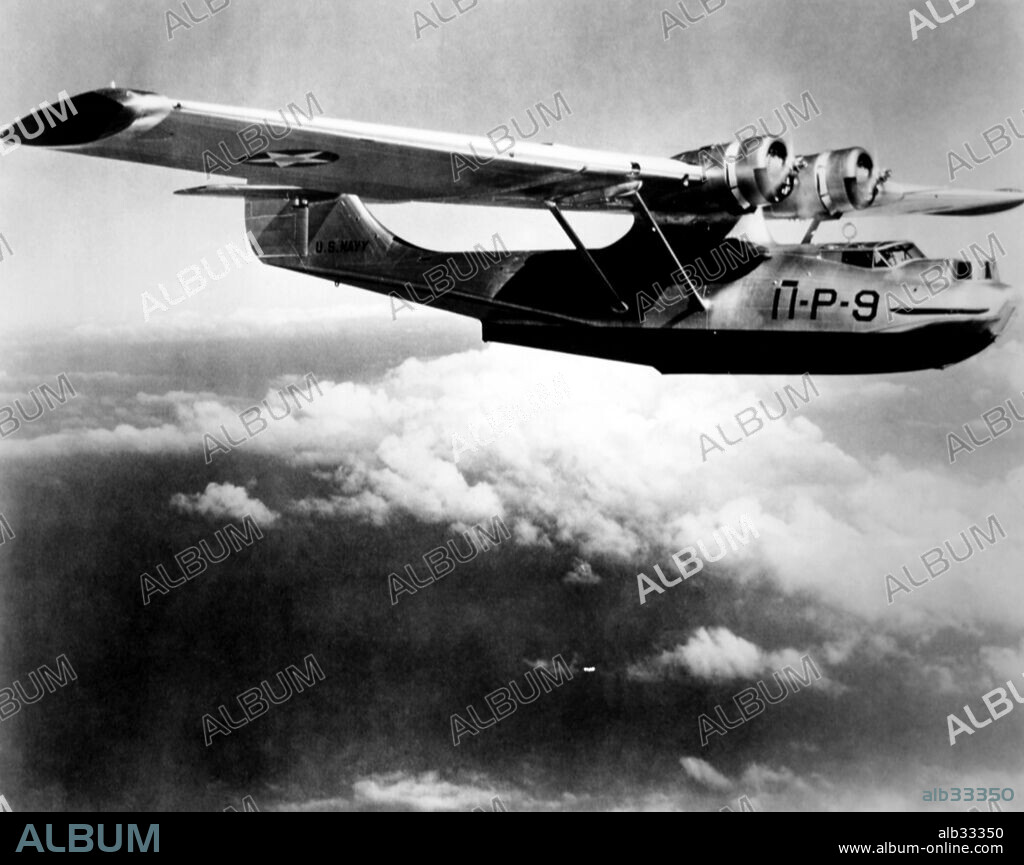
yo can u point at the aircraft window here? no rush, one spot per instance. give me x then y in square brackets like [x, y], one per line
[985, 269]
[962, 269]
[858, 257]
[894, 256]
[874, 258]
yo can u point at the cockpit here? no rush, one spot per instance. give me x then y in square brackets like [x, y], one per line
[872, 255]
[896, 254]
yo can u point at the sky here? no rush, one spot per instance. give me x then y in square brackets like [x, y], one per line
[106, 224]
[595, 487]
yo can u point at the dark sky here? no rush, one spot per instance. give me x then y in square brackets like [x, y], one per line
[595, 489]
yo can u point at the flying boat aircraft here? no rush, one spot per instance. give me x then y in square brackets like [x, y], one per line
[685, 290]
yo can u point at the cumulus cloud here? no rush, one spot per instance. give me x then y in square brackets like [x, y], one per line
[224, 500]
[714, 655]
[1004, 661]
[630, 485]
[581, 574]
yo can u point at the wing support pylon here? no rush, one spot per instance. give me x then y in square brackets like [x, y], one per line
[620, 305]
[628, 190]
[645, 212]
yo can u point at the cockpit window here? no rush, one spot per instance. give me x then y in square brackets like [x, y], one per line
[962, 269]
[874, 256]
[858, 257]
[894, 256]
[986, 268]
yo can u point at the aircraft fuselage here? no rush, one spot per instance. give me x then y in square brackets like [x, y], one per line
[781, 310]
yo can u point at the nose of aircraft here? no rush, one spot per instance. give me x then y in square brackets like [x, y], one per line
[971, 316]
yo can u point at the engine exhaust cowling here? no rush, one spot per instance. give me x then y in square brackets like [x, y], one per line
[832, 183]
[741, 176]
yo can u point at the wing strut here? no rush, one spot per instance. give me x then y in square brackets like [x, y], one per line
[812, 229]
[646, 213]
[619, 306]
[631, 190]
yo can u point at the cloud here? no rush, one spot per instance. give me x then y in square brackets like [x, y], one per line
[770, 788]
[1004, 661]
[581, 574]
[713, 655]
[424, 792]
[758, 777]
[704, 773]
[630, 485]
[224, 500]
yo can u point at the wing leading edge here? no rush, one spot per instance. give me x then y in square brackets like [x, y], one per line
[296, 148]
[383, 163]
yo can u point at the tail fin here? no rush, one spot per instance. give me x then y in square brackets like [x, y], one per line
[319, 228]
[339, 232]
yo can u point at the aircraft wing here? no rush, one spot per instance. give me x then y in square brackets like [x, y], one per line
[904, 198]
[294, 147]
[846, 183]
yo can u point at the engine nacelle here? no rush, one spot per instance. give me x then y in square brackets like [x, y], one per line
[831, 183]
[741, 176]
